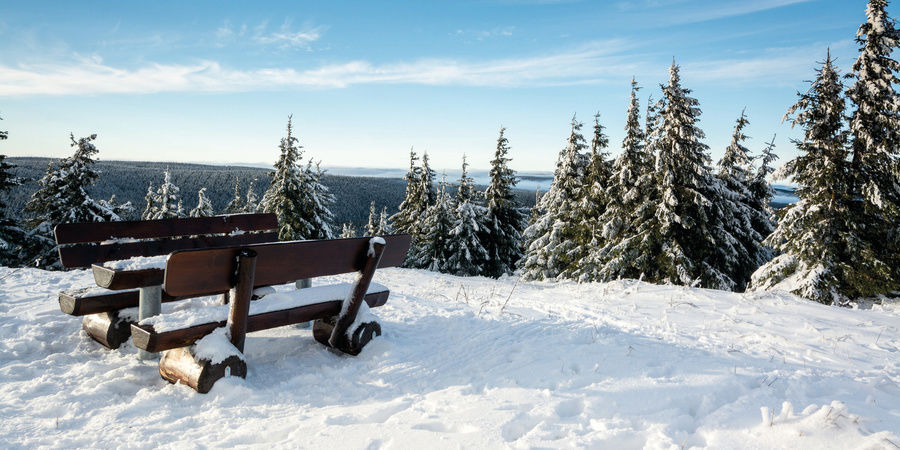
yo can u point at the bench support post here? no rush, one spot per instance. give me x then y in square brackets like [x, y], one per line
[150, 304]
[240, 298]
[341, 336]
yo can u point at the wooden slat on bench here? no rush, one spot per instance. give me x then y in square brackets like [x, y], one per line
[205, 272]
[94, 304]
[146, 338]
[83, 255]
[73, 233]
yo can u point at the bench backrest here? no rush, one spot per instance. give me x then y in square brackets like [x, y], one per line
[83, 244]
[211, 271]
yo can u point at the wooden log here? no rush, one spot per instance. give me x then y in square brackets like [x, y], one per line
[108, 328]
[180, 365]
[209, 271]
[83, 255]
[240, 297]
[365, 332]
[126, 279]
[70, 233]
[340, 339]
[145, 337]
[72, 303]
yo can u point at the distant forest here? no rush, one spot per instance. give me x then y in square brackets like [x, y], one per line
[128, 181]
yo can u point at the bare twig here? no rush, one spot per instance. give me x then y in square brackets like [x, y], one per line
[510, 296]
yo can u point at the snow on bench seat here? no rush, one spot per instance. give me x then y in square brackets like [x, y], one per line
[138, 263]
[273, 302]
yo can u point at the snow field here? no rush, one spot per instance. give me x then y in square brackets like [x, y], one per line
[476, 362]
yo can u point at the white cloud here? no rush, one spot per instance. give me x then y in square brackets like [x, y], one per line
[693, 11]
[284, 37]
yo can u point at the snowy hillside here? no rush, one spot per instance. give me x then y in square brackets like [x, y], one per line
[475, 362]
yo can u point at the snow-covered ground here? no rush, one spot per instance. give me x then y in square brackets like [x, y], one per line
[475, 362]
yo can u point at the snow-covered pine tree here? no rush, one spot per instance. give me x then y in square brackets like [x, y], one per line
[589, 239]
[167, 200]
[149, 210]
[437, 227]
[629, 216]
[296, 195]
[318, 203]
[504, 223]
[236, 205]
[427, 180]
[875, 144]
[251, 202]
[11, 235]
[384, 224]
[466, 253]
[372, 227]
[550, 239]
[739, 242]
[689, 251]
[761, 193]
[347, 231]
[204, 206]
[406, 220]
[815, 235]
[62, 197]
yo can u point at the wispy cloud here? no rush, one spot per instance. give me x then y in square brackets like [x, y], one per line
[598, 62]
[480, 35]
[680, 12]
[285, 36]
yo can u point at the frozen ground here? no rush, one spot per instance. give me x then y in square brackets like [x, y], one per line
[477, 363]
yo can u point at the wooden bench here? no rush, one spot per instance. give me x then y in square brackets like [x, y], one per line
[340, 323]
[94, 243]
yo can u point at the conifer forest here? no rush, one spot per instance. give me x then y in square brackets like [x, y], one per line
[653, 207]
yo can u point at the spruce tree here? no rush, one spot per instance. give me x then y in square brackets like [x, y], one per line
[761, 198]
[410, 211]
[297, 196]
[427, 180]
[251, 202]
[236, 205]
[629, 217]
[821, 257]
[466, 253]
[437, 232]
[149, 210]
[503, 222]
[62, 197]
[384, 224]
[372, 227]
[347, 231]
[166, 202]
[739, 242]
[689, 251]
[589, 239]
[11, 235]
[550, 239]
[875, 145]
[204, 206]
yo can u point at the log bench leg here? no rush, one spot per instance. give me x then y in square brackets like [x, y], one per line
[150, 305]
[180, 365]
[107, 328]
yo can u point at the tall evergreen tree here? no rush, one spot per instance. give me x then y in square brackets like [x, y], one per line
[437, 232]
[761, 198]
[550, 239]
[204, 206]
[236, 205]
[589, 238]
[384, 224]
[11, 235]
[503, 222]
[62, 197]
[166, 202]
[875, 143]
[251, 202]
[372, 224]
[149, 203]
[821, 257]
[297, 196]
[628, 220]
[739, 242]
[410, 211]
[689, 249]
[466, 253]
[427, 180]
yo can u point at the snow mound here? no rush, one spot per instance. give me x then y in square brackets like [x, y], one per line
[475, 362]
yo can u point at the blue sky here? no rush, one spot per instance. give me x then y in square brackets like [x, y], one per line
[365, 81]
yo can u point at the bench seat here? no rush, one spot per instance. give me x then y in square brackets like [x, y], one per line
[183, 328]
[95, 300]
